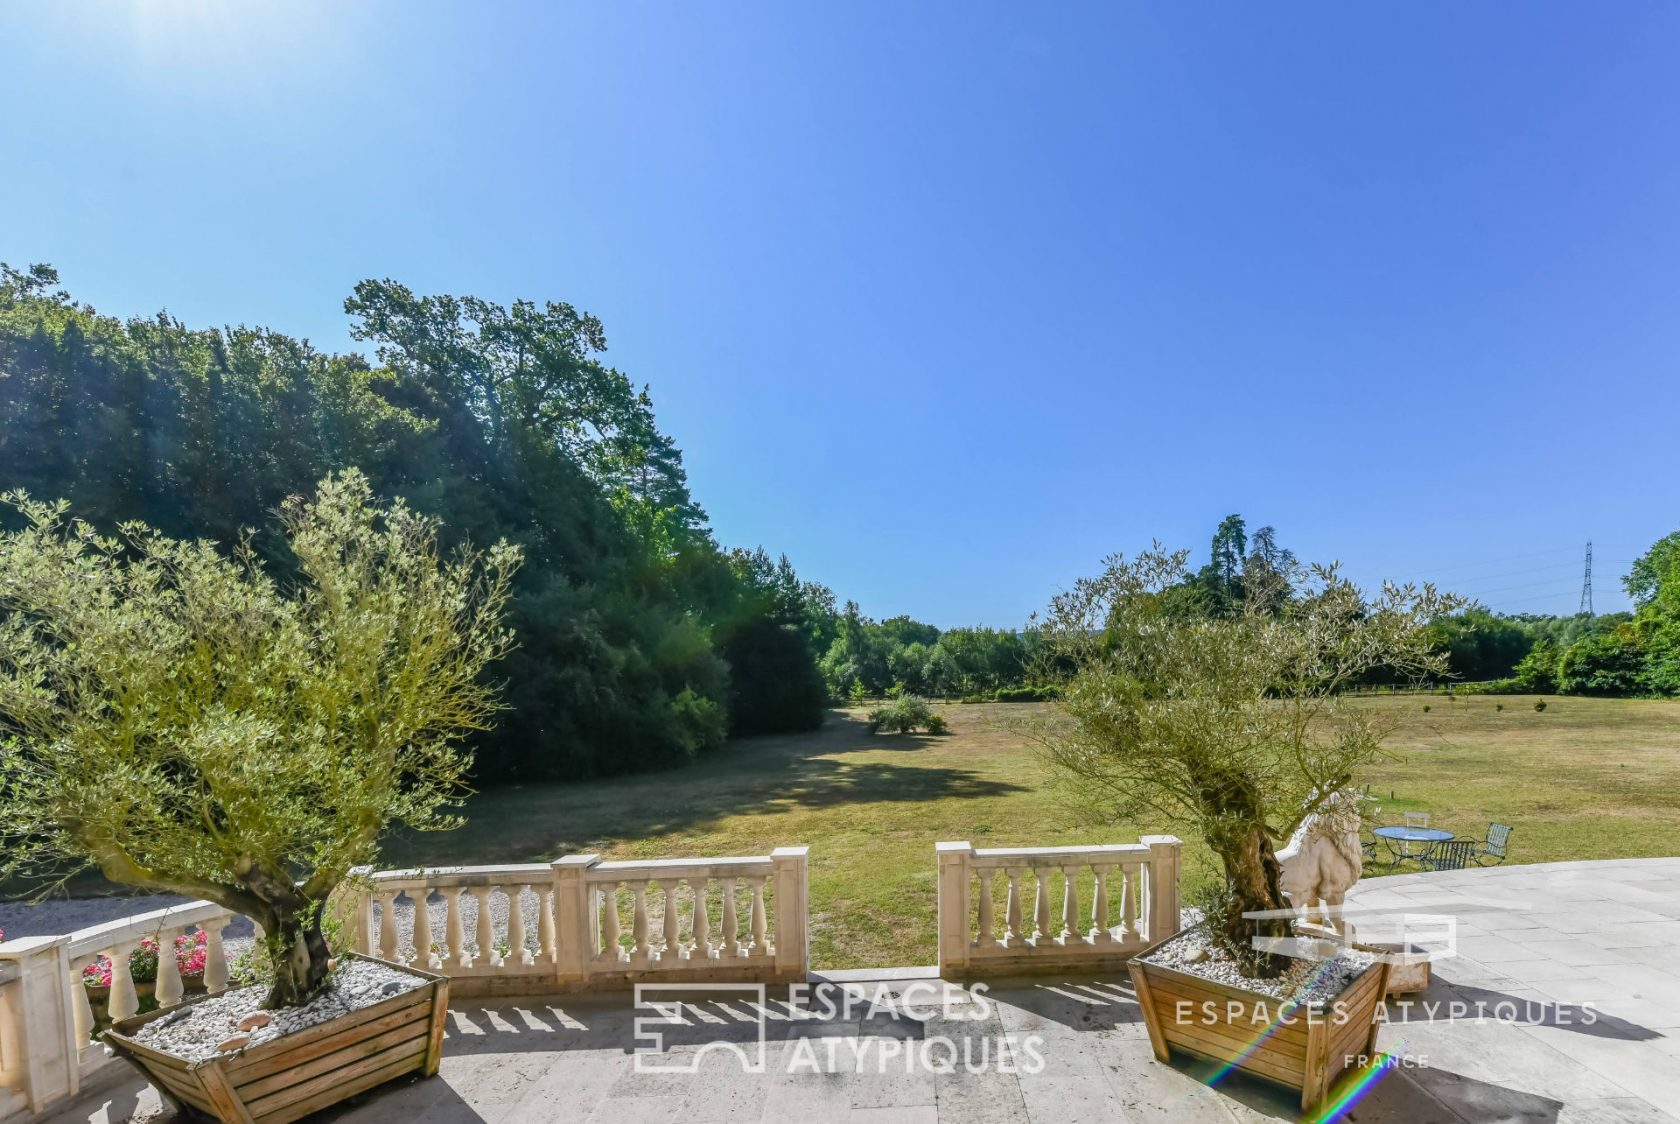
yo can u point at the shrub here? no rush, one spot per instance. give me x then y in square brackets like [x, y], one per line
[1611, 663]
[1540, 705]
[905, 715]
[1023, 694]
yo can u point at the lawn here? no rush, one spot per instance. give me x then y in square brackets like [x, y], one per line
[1584, 779]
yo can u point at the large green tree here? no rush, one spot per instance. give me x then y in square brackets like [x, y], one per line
[502, 421]
[184, 720]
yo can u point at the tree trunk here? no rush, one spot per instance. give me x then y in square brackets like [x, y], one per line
[1253, 871]
[298, 951]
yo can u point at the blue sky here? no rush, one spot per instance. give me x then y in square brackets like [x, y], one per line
[949, 301]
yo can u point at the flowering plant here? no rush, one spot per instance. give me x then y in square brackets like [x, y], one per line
[190, 956]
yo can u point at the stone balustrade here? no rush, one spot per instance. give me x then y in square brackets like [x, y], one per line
[1031, 909]
[46, 1018]
[582, 923]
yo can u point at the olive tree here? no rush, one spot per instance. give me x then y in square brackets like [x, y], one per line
[1235, 724]
[185, 720]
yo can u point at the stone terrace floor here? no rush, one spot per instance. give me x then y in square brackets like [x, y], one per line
[1584, 952]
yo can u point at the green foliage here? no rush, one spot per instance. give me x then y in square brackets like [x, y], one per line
[906, 715]
[1023, 694]
[1480, 645]
[1236, 725]
[1539, 705]
[1221, 916]
[502, 421]
[1536, 673]
[1609, 663]
[179, 718]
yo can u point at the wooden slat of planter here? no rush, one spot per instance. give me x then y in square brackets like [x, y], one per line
[1240, 1036]
[1267, 1067]
[1140, 984]
[1350, 1038]
[250, 1063]
[274, 1082]
[1294, 1030]
[440, 1004]
[333, 1086]
[248, 1068]
[1232, 1045]
[229, 1108]
[156, 1058]
[188, 1090]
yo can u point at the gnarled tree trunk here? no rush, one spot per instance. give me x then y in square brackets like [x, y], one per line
[298, 951]
[1253, 871]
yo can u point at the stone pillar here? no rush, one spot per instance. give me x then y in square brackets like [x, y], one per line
[43, 1023]
[1162, 915]
[574, 944]
[791, 878]
[953, 907]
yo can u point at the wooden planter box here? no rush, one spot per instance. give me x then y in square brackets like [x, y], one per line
[307, 1070]
[1292, 1046]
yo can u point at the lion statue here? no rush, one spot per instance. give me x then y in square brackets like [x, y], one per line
[1323, 859]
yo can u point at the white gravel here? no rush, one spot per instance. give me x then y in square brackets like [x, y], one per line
[194, 1032]
[1311, 982]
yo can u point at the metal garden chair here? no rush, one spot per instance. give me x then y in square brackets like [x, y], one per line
[1454, 854]
[1491, 850]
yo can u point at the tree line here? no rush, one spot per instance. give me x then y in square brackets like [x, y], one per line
[641, 640]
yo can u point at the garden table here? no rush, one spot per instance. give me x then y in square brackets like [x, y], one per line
[1428, 836]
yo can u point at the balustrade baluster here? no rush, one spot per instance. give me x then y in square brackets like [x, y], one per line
[671, 949]
[609, 902]
[639, 922]
[1128, 903]
[700, 923]
[545, 925]
[1099, 905]
[215, 956]
[988, 938]
[759, 947]
[487, 955]
[168, 988]
[517, 952]
[1070, 904]
[81, 1008]
[1041, 903]
[454, 933]
[388, 927]
[731, 926]
[424, 957]
[1012, 916]
[124, 1002]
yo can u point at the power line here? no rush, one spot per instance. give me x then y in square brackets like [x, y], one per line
[1457, 566]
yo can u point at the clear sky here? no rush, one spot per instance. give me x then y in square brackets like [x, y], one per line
[949, 301]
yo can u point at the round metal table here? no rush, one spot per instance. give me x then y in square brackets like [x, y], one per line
[1428, 836]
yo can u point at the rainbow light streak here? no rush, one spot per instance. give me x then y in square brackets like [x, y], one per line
[1379, 1069]
[1270, 1029]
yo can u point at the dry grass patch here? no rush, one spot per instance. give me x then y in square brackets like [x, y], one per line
[1587, 778]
